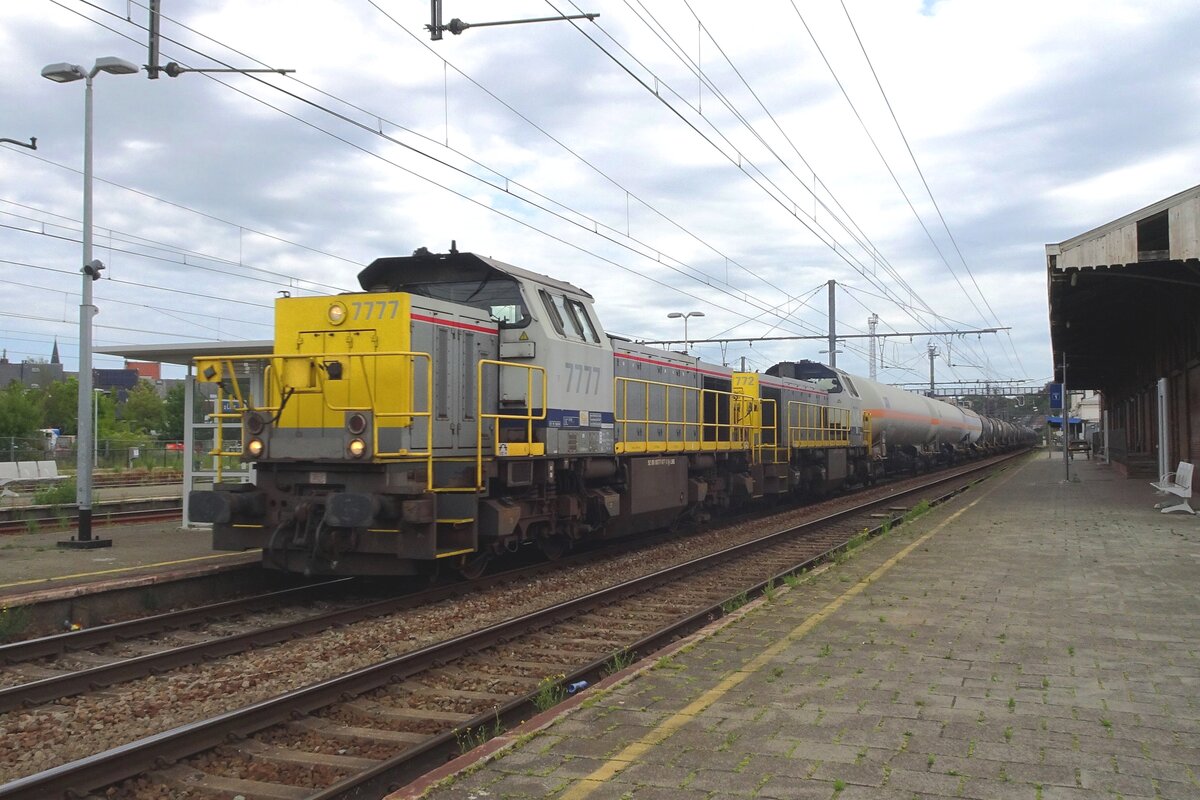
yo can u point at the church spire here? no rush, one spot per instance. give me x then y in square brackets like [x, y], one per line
[54, 353]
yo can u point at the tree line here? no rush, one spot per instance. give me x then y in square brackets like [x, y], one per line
[141, 417]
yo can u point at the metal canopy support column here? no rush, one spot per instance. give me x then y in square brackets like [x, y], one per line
[189, 444]
[1164, 429]
[1104, 421]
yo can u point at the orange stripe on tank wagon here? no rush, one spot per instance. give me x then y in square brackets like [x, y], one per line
[887, 412]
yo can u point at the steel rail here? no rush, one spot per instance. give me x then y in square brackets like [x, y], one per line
[111, 766]
[169, 509]
[60, 643]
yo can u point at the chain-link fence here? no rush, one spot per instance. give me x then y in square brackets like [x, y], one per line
[109, 454]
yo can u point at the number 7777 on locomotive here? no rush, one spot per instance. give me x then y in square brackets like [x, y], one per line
[459, 407]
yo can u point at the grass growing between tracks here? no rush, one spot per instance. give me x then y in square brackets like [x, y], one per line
[550, 692]
[13, 622]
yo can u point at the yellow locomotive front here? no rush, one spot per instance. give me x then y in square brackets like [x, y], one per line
[344, 436]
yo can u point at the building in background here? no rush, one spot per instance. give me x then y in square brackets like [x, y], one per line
[34, 374]
[1124, 322]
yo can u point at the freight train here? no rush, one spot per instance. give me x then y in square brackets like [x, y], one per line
[458, 408]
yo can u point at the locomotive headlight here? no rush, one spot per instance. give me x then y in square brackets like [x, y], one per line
[254, 447]
[336, 313]
[357, 448]
[255, 423]
[356, 423]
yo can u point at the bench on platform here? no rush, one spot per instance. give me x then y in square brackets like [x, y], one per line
[1178, 483]
[27, 472]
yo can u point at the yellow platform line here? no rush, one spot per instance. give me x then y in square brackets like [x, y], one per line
[115, 570]
[634, 751]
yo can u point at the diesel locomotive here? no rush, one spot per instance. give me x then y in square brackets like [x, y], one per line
[459, 407]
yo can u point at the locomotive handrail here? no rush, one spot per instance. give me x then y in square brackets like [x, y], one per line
[531, 448]
[622, 386]
[218, 449]
[812, 425]
[773, 428]
[316, 378]
[737, 434]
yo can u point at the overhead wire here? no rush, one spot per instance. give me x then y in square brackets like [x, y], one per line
[137, 254]
[646, 204]
[792, 209]
[925, 182]
[378, 133]
[206, 215]
[423, 178]
[680, 53]
[887, 165]
[138, 285]
[157, 309]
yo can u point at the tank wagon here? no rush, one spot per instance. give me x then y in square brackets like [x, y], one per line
[459, 407]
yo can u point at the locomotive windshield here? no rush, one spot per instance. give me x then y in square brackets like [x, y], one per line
[500, 296]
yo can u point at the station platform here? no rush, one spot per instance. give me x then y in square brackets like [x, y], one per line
[1034, 638]
[34, 569]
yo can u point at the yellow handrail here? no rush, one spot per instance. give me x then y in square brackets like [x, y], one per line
[623, 420]
[529, 447]
[812, 425]
[218, 449]
[737, 433]
[287, 375]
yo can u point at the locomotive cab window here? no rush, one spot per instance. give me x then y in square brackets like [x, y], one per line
[509, 316]
[829, 383]
[569, 317]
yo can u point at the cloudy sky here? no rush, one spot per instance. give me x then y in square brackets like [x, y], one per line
[669, 156]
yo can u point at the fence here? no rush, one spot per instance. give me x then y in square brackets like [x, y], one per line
[112, 454]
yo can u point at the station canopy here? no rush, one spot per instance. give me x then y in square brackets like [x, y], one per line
[184, 354]
[1122, 294]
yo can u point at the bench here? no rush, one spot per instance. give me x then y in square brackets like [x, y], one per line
[27, 472]
[1178, 483]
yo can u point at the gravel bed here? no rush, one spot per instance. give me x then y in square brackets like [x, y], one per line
[32, 740]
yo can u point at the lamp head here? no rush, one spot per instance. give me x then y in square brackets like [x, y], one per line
[115, 66]
[63, 72]
[695, 313]
[674, 315]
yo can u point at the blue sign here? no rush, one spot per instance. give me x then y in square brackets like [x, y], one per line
[1056, 397]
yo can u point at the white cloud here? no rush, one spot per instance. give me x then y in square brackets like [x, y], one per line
[1032, 122]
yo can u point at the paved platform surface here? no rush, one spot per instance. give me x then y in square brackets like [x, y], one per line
[1034, 639]
[34, 567]
[102, 494]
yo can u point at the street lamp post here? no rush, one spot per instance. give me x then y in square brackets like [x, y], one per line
[684, 317]
[66, 73]
[96, 427]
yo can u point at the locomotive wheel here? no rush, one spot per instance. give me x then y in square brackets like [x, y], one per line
[475, 567]
[554, 547]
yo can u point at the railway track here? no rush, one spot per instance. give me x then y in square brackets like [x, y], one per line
[361, 733]
[26, 519]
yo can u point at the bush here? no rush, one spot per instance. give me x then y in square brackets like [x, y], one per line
[59, 494]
